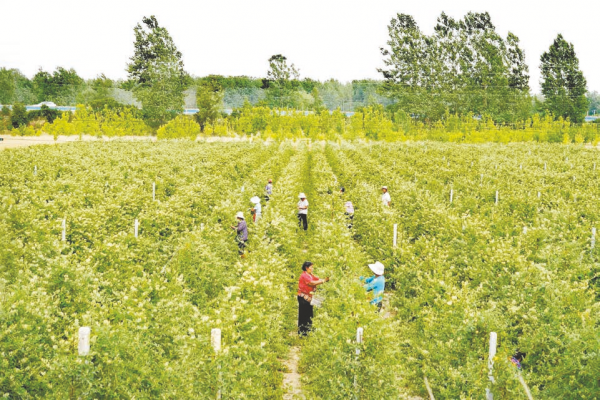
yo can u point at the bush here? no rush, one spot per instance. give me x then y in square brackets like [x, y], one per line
[178, 128]
[19, 115]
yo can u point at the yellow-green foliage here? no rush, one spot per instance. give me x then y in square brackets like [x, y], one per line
[105, 123]
[181, 127]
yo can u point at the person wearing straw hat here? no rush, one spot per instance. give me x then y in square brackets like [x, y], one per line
[385, 197]
[256, 210]
[375, 283]
[269, 190]
[303, 211]
[242, 233]
[307, 284]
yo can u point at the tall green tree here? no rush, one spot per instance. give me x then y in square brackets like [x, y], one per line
[465, 66]
[563, 83]
[209, 100]
[282, 81]
[157, 72]
[60, 86]
[7, 86]
[18, 116]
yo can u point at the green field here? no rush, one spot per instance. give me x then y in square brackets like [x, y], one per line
[460, 270]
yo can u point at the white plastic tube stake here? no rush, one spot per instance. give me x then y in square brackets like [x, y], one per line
[359, 335]
[544, 166]
[521, 166]
[64, 230]
[359, 340]
[496, 197]
[242, 189]
[84, 340]
[395, 237]
[215, 339]
[594, 166]
[525, 230]
[493, 343]
[135, 227]
[593, 237]
[153, 191]
[202, 226]
[539, 195]
[451, 195]
[35, 170]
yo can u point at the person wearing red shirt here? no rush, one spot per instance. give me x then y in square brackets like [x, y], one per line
[306, 287]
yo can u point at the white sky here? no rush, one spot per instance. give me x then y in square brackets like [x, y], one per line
[325, 39]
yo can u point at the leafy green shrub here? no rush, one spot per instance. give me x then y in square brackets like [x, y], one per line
[181, 127]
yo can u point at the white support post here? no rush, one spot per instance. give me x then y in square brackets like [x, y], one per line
[451, 195]
[242, 189]
[202, 226]
[594, 166]
[496, 197]
[215, 339]
[521, 166]
[35, 170]
[153, 191]
[539, 195]
[64, 230]
[524, 230]
[481, 178]
[492, 354]
[593, 237]
[84, 341]
[544, 166]
[429, 391]
[395, 235]
[135, 227]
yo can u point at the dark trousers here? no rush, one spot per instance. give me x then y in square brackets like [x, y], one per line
[305, 315]
[350, 219]
[303, 221]
[241, 246]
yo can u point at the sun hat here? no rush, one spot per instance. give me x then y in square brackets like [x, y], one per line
[377, 268]
[255, 200]
[270, 180]
[302, 196]
[384, 187]
[239, 215]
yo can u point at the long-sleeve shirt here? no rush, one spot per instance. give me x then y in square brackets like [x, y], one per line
[242, 230]
[269, 188]
[303, 203]
[377, 285]
[258, 208]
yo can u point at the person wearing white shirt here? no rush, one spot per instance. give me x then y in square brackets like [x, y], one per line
[303, 212]
[385, 197]
[256, 208]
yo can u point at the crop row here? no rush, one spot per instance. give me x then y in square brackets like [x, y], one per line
[463, 270]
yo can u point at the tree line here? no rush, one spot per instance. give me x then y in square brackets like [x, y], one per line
[464, 67]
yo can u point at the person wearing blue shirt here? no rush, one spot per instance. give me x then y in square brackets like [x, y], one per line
[375, 283]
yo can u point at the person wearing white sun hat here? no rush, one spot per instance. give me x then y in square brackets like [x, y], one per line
[385, 197]
[303, 211]
[375, 283]
[256, 210]
[242, 233]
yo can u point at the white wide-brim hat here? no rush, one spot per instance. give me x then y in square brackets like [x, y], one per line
[255, 200]
[301, 196]
[377, 268]
[239, 215]
[384, 187]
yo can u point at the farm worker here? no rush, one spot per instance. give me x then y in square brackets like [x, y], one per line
[303, 211]
[349, 213]
[385, 197]
[242, 233]
[307, 284]
[375, 283]
[342, 190]
[269, 190]
[256, 209]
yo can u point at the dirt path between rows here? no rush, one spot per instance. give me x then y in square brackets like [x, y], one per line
[291, 379]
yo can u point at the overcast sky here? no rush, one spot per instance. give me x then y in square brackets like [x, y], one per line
[324, 39]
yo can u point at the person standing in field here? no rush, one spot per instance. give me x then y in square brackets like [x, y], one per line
[256, 209]
[303, 212]
[307, 284]
[269, 190]
[242, 233]
[375, 283]
[385, 197]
